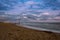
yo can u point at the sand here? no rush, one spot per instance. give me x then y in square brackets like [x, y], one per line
[12, 32]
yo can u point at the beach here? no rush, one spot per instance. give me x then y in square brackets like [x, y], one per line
[12, 32]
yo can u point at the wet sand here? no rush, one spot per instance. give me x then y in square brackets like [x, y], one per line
[12, 32]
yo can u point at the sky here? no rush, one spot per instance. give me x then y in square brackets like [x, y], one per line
[37, 9]
[42, 4]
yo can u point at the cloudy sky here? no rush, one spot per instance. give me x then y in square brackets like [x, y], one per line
[36, 9]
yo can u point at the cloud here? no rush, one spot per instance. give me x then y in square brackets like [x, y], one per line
[46, 13]
[58, 0]
[26, 12]
[30, 2]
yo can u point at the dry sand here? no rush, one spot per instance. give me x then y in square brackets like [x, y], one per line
[13, 32]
